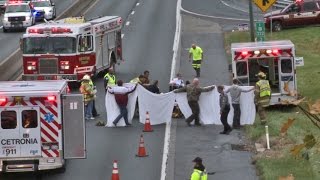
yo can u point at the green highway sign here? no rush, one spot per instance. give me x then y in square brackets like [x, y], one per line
[260, 31]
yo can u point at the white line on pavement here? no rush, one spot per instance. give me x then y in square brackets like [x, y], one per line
[127, 23]
[122, 35]
[1, 27]
[233, 7]
[167, 135]
[137, 4]
[214, 17]
[132, 13]
[92, 5]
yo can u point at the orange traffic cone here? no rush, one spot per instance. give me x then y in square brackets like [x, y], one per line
[141, 150]
[147, 125]
[115, 171]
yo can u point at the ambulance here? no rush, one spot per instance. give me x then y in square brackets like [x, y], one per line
[70, 48]
[42, 125]
[275, 58]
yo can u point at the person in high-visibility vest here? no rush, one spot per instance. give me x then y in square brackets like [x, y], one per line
[262, 96]
[199, 170]
[94, 110]
[197, 55]
[89, 95]
[109, 79]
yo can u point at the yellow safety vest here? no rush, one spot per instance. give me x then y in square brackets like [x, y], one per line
[111, 79]
[264, 88]
[199, 175]
[135, 80]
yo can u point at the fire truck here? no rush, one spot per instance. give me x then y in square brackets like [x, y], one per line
[70, 48]
[42, 125]
[275, 58]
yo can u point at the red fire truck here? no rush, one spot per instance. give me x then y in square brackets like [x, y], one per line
[71, 47]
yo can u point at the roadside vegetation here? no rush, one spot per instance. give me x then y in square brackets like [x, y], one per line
[283, 159]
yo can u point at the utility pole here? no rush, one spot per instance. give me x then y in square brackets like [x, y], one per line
[251, 21]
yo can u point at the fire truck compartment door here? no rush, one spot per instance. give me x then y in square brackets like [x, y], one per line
[74, 132]
[286, 75]
[20, 132]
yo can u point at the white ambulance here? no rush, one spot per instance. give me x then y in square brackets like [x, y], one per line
[275, 58]
[42, 125]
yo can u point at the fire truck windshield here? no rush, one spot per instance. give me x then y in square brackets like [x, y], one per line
[51, 45]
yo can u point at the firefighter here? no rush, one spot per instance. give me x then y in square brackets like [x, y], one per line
[94, 110]
[109, 79]
[262, 96]
[199, 170]
[197, 55]
[89, 94]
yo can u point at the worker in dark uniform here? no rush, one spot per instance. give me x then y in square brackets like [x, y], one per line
[193, 93]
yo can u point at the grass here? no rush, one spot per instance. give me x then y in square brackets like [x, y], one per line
[307, 45]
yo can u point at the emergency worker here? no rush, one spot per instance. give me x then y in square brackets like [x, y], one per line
[109, 79]
[88, 93]
[140, 80]
[262, 96]
[146, 75]
[197, 55]
[199, 170]
[193, 93]
[94, 110]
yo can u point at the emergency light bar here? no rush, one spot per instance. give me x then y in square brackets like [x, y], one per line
[3, 100]
[257, 52]
[53, 30]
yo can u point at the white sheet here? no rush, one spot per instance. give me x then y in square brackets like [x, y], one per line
[113, 110]
[210, 108]
[159, 106]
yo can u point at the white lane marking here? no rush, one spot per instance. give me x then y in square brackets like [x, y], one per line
[122, 35]
[233, 7]
[132, 13]
[137, 4]
[1, 27]
[214, 17]
[62, 13]
[128, 23]
[167, 135]
[92, 5]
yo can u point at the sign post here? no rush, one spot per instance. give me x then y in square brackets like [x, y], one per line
[264, 5]
[260, 31]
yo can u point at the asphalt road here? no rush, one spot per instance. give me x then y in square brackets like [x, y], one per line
[12, 38]
[147, 44]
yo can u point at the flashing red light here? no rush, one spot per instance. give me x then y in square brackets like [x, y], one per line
[3, 100]
[244, 53]
[275, 51]
[51, 98]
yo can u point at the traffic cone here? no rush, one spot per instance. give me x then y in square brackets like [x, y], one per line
[115, 171]
[141, 150]
[147, 125]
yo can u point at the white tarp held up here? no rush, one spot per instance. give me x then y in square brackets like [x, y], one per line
[159, 106]
[113, 110]
[210, 108]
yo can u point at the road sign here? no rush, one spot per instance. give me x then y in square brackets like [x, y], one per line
[299, 61]
[260, 31]
[264, 5]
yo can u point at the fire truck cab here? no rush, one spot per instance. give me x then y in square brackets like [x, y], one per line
[70, 48]
[275, 58]
[41, 125]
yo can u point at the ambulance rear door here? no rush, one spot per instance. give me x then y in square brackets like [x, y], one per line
[20, 132]
[74, 132]
[286, 75]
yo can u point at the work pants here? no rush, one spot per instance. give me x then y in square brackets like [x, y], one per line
[94, 110]
[194, 105]
[196, 64]
[224, 119]
[236, 115]
[123, 113]
[262, 113]
[88, 109]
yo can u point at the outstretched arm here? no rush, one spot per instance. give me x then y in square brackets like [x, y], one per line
[183, 89]
[207, 89]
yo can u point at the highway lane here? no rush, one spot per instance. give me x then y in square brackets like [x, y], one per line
[11, 39]
[147, 44]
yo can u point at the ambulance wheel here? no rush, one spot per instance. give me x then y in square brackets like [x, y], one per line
[277, 26]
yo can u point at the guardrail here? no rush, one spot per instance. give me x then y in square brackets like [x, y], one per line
[282, 3]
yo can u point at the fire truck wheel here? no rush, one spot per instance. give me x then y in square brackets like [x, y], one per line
[277, 26]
